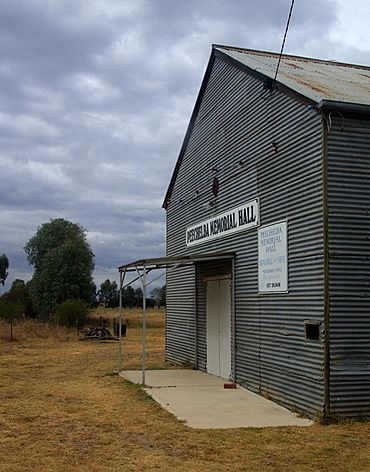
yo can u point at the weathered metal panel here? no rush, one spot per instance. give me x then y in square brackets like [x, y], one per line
[232, 139]
[315, 79]
[349, 265]
[180, 315]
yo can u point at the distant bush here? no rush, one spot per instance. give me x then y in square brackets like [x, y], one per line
[19, 294]
[72, 313]
[10, 311]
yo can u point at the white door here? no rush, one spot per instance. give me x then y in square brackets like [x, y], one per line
[219, 327]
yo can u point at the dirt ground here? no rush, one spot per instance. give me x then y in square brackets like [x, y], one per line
[63, 409]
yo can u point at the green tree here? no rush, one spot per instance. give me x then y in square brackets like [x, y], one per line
[108, 293]
[16, 284]
[72, 313]
[63, 262]
[128, 297]
[4, 266]
[138, 297]
[9, 312]
[159, 295]
[19, 294]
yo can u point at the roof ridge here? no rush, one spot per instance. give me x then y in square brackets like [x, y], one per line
[259, 52]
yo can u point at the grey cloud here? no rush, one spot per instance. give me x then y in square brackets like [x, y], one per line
[96, 97]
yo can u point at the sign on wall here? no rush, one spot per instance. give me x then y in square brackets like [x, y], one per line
[238, 219]
[273, 258]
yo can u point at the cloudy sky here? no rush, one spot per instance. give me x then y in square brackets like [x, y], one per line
[96, 96]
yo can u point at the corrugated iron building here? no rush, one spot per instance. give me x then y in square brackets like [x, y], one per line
[276, 173]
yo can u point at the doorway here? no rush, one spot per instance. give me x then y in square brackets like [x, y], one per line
[218, 315]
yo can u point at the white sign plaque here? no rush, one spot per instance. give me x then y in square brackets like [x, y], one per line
[238, 219]
[273, 258]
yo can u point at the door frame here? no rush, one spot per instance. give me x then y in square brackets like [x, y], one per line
[230, 277]
[217, 277]
[201, 281]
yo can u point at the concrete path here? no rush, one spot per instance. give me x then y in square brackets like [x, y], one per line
[201, 401]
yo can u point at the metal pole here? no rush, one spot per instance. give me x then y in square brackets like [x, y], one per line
[196, 315]
[233, 307]
[143, 281]
[121, 279]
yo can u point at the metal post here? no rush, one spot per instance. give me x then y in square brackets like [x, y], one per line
[121, 279]
[143, 281]
[196, 316]
[233, 307]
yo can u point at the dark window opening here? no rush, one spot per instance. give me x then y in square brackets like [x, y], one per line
[312, 330]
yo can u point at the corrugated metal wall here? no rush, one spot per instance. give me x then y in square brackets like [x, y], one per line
[349, 265]
[180, 322]
[234, 132]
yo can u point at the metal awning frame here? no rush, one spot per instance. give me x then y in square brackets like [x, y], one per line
[170, 261]
[142, 268]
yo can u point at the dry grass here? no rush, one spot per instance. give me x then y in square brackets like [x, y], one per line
[133, 316]
[27, 330]
[62, 410]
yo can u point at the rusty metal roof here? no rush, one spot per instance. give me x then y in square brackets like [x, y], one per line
[316, 79]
